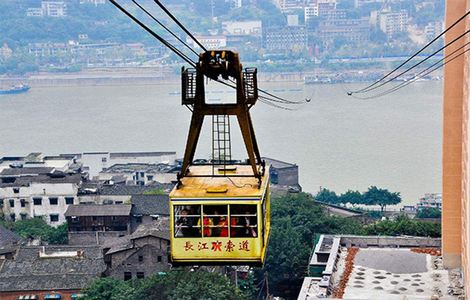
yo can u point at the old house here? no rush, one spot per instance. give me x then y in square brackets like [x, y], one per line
[50, 272]
[146, 209]
[139, 255]
[29, 192]
[93, 224]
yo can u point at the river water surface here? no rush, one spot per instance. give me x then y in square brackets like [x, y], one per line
[338, 142]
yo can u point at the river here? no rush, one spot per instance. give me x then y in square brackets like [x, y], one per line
[338, 142]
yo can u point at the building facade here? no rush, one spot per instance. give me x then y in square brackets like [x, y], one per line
[393, 22]
[456, 162]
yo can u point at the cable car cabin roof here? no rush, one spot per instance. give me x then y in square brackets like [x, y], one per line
[221, 187]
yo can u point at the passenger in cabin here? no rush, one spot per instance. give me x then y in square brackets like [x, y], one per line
[223, 227]
[207, 224]
[234, 230]
[183, 224]
[249, 225]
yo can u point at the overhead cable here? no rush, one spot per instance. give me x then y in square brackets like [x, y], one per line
[155, 35]
[369, 87]
[166, 28]
[179, 23]
[415, 65]
[419, 76]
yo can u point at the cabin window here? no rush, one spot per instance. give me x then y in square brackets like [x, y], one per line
[215, 221]
[235, 220]
[187, 220]
[53, 201]
[243, 221]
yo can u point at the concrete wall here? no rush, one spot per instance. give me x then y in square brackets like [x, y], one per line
[150, 248]
[390, 241]
[39, 190]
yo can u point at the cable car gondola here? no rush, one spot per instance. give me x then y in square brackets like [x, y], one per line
[220, 220]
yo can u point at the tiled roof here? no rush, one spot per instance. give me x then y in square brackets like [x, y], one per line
[27, 180]
[29, 272]
[83, 210]
[147, 205]
[8, 237]
[25, 171]
[123, 189]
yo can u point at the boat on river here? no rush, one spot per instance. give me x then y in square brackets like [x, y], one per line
[16, 89]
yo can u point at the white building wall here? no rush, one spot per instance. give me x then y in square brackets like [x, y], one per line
[47, 191]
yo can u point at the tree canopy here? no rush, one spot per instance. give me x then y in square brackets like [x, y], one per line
[179, 283]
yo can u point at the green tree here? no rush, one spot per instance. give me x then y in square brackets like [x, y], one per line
[429, 212]
[403, 225]
[352, 197]
[381, 197]
[326, 196]
[179, 283]
[110, 289]
[38, 228]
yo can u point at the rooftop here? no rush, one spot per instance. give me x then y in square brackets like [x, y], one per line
[148, 205]
[277, 163]
[85, 210]
[140, 167]
[27, 180]
[373, 267]
[200, 187]
[25, 171]
[8, 237]
[29, 272]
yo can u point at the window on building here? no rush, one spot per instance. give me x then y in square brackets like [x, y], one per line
[23, 216]
[159, 258]
[138, 219]
[140, 275]
[1, 203]
[69, 200]
[104, 159]
[23, 202]
[53, 200]
[54, 217]
[149, 177]
[13, 217]
[12, 203]
[141, 258]
[127, 275]
[16, 190]
[37, 201]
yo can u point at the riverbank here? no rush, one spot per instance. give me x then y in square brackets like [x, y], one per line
[166, 75]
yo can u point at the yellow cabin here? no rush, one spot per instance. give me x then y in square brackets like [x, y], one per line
[220, 220]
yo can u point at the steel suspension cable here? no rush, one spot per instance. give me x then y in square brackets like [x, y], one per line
[404, 84]
[163, 25]
[155, 35]
[415, 65]
[179, 23]
[367, 88]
